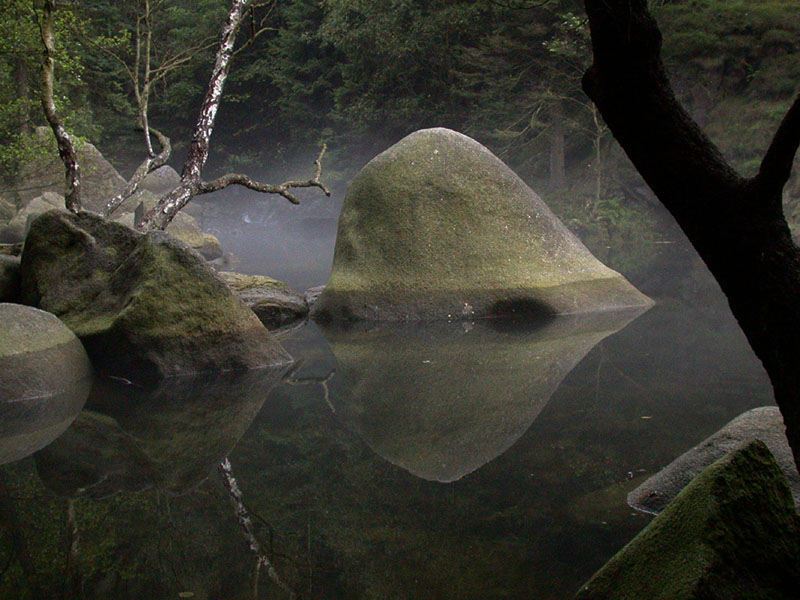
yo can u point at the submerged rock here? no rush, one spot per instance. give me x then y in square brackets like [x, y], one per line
[45, 377]
[764, 423]
[442, 399]
[273, 302]
[437, 227]
[732, 533]
[145, 306]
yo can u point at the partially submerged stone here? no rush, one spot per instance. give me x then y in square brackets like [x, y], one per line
[145, 306]
[273, 302]
[442, 399]
[764, 423]
[45, 377]
[732, 533]
[437, 227]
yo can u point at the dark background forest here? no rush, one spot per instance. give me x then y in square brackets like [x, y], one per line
[359, 75]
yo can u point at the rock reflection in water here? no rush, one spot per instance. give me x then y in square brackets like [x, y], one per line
[28, 424]
[442, 399]
[171, 436]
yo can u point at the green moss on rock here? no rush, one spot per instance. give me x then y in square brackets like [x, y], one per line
[145, 306]
[437, 222]
[732, 533]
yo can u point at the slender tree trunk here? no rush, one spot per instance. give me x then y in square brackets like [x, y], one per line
[66, 149]
[558, 174]
[161, 215]
[736, 224]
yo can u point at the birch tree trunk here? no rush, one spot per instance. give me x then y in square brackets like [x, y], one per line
[66, 149]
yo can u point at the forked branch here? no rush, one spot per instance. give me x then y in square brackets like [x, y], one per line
[281, 189]
[776, 167]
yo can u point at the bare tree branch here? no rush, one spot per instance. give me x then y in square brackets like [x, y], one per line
[148, 165]
[281, 189]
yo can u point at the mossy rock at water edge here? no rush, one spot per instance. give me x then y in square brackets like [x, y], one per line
[437, 227]
[733, 533]
[45, 377]
[146, 306]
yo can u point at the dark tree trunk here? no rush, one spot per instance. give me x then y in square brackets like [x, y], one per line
[736, 224]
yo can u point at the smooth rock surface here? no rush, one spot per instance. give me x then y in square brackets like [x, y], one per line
[437, 227]
[145, 306]
[45, 377]
[733, 533]
[273, 302]
[764, 423]
[442, 399]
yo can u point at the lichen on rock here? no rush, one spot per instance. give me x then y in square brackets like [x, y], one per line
[146, 306]
[437, 223]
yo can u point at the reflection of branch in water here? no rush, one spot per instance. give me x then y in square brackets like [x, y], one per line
[323, 381]
[72, 576]
[243, 516]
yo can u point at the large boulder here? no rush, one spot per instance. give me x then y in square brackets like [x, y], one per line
[273, 302]
[145, 305]
[162, 180]
[17, 228]
[437, 227]
[100, 181]
[45, 377]
[764, 423]
[732, 533]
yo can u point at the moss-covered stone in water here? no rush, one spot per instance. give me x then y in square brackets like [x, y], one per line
[145, 306]
[732, 533]
[437, 223]
[273, 302]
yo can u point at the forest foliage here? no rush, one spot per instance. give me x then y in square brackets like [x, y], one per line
[359, 75]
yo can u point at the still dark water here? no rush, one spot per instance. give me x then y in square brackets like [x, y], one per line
[455, 461]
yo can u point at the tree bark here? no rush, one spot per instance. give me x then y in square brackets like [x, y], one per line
[66, 149]
[736, 224]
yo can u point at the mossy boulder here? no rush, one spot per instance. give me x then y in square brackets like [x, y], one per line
[45, 377]
[146, 306]
[442, 399]
[100, 181]
[273, 302]
[732, 533]
[764, 423]
[437, 227]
